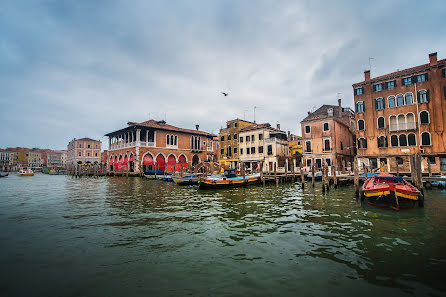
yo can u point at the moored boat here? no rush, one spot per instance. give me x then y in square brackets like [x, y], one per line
[3, 174]
[388, 190]
[26, 172]
[186, 180]
[228, 179]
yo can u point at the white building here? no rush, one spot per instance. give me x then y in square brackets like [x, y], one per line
[261, 142]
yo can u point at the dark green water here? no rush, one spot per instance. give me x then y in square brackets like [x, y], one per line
[133, 237]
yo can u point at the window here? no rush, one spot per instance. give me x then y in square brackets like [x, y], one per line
[382, 141]
[394, 140]
[379, 103]
[96, 146]
[241, 151]
[260, 136]
[80, 145]
[381, 123]
[409, 98]
[342, 146]
[403, 140]
[399, 161]
[253, 150]
[399, 100]
[222, 152]
[308, 146]
[252, 138]
[391, 101]
[362, 143]
[411, 139]
[326, 127]
[425, 138]
[308, 162]
[235, 125]
[422, 77]
[406, 81]
[88, 154]
[235, 136]
[391, 84]
[378, 87]
[241, 138]
[235, 150]
[88, 146]
[444, 72]
[247, 138]
[431, 160]
[359, 106]
[270, 149]
[423, 96]
[359, 91]
[328, 161]
[228, 125]
[222, 138]
[95, 154]
[247, 151]
[307, 129]
[229, 136]
[229, 152]
[424, 117]
[80, 154]
[260, 149]
[361, 125]
[327, 145]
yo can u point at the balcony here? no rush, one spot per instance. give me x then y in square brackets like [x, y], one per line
[402, 127]
[131, 144]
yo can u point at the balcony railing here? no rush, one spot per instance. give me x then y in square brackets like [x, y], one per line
[131, 144]
[402, 127]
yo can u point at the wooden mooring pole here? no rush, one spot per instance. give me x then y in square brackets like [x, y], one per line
[356, 176]
[302, 176]
[312, 174]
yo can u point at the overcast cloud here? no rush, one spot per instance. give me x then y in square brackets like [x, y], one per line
[84, 68]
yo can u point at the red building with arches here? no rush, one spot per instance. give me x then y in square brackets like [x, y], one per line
[157, 145]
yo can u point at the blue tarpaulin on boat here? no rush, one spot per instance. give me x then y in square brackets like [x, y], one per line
[393, 178]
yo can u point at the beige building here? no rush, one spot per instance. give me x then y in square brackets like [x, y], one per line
[56, 159]
[228, 143]
[261, 142]
[83, 150]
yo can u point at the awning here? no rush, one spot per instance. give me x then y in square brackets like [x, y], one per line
[125, 161]
[148, 160]
[132, 158]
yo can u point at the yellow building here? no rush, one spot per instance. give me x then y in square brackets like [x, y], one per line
[228, 142]
[295, 144]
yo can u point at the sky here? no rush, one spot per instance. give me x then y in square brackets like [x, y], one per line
[72, 69]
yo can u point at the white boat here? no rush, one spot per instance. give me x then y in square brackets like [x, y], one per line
[26, 172]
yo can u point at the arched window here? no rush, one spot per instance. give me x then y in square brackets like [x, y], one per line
[399, 100]
[401, 122]
[410, 121]
[411, 139]
[424, 117]
[393, 124]
[229, 151]
[425, 138]
[381, 123]
[409, 98]
[382, 141]
[360, 125]
[168, 139]
[362, 143]
[423, 96]
[172, 140]
[403, 140]
[394, 140]
[391, 101]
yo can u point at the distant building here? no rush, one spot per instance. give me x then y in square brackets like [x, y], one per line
[294, 144]
[56, 159]
[228, 142]
[260, 143]
[104, 155]
[156, 144]
[328, 136]
[402, 113]
[6, 160]
[83, 150]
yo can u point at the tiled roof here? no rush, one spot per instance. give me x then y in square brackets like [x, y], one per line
[88, 139]
[162, 125]
[322, 113]
[400, 73]
[258, 127]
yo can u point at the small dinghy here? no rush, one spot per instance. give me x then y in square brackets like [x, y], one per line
[389, 190]
[228, 180]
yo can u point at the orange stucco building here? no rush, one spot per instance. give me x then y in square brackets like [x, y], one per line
[328, 137]
[402, 113]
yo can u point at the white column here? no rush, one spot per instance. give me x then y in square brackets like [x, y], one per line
[138, 137]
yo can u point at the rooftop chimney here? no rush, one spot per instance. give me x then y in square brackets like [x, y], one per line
[367, 75]
[433, 59]
[197, 127]
[339, 107]
[278, 126]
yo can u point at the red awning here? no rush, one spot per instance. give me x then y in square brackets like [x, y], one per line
[125, 160]
[132, 158]
[148, 160]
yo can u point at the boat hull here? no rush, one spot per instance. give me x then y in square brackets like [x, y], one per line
[185, 180]
[229, 183]
[26, 174]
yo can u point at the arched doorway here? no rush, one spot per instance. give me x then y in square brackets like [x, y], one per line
[195, 160]
[147, 162]
[160, 162]
[182, 160]
[132, 163]
[171, 161]
[124, 163]
[115, 163]
[110, 163]
[120, 166]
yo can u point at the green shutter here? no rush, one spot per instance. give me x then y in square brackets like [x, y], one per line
[428, 97]
[376, 104]
[444, 91]
[426, 77]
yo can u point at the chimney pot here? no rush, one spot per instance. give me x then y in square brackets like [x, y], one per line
[278, 126]
[433, 59]
[339, 107]
[367, 75]
[197, 127]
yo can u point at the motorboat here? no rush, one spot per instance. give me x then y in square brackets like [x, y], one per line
[26, 172]
[228, 179]
[3, 174]
[317, 176]
[386, 189]
[186, 180]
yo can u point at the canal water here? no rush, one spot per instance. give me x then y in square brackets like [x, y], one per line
[62, 236]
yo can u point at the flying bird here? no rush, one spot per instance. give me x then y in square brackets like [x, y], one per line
[226, 94]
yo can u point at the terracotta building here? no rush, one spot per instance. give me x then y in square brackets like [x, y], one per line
[150, 144]
[402, 113]
[228, 142]
[328, 136]
[83, 150]
[262, 143]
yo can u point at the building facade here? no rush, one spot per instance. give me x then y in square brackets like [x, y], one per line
[6, 160]
[294, 144]
[156, 144]
[402, 113]
[228, 142]
[83, 150]
[260, 143]
[56, 159]
[328, 137]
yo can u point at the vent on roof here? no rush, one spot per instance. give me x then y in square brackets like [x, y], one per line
[330, 112]
[161, 123]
